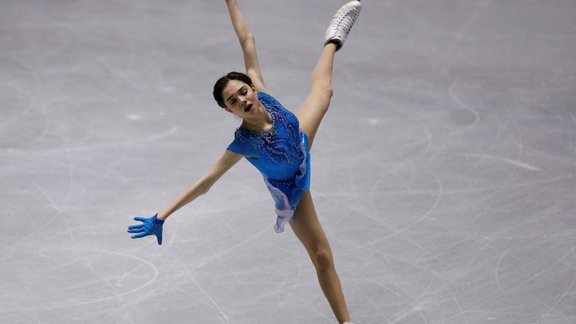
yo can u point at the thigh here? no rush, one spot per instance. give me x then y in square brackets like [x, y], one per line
[307, 227]
[311, 112]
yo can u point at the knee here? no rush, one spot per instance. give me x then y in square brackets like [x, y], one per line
[323, 89]
[328, 91]
[322, 259]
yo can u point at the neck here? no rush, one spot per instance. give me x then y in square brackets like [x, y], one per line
[262, 121]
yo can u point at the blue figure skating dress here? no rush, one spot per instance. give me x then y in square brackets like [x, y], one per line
[281, 154]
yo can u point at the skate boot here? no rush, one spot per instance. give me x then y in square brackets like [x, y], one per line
[342, 23]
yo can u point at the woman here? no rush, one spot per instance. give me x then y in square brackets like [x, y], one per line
[278, 143]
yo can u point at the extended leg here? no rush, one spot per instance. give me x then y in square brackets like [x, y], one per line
[307, 228]
[316, 105]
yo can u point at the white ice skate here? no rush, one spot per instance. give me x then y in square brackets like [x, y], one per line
[342, 23]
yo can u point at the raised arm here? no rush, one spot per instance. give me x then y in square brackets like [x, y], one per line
[248, 44]
[228, 160]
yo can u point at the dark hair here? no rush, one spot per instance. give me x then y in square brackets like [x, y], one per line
[223, 81]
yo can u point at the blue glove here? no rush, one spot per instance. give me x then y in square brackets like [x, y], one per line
[149, 226]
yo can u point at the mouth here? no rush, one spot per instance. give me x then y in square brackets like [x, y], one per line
[248, 108]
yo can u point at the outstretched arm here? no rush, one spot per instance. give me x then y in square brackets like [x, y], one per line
[227, 161]
[153, 225]
[248, 44]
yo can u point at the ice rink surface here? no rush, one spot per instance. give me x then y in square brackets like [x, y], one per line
[444, 173]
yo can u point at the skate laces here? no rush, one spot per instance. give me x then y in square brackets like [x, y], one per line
[345, 21]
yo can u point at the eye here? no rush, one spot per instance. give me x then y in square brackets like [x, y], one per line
[232, 102]
[243, 91]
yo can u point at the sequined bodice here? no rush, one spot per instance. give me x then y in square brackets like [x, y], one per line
[281, 154]
[276, 153]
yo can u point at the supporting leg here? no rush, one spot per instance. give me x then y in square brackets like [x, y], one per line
[307, 228]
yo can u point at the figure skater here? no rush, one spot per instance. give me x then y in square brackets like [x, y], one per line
[277, 142]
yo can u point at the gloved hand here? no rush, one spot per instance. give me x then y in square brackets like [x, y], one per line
[149, 226]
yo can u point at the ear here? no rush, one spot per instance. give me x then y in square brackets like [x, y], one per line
[253, 87]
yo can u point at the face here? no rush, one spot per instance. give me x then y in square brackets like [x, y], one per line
[240, 98]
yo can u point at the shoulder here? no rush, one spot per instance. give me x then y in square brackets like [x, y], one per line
[268, 101]
[262, 95]
[240, 136]
[238, 143]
